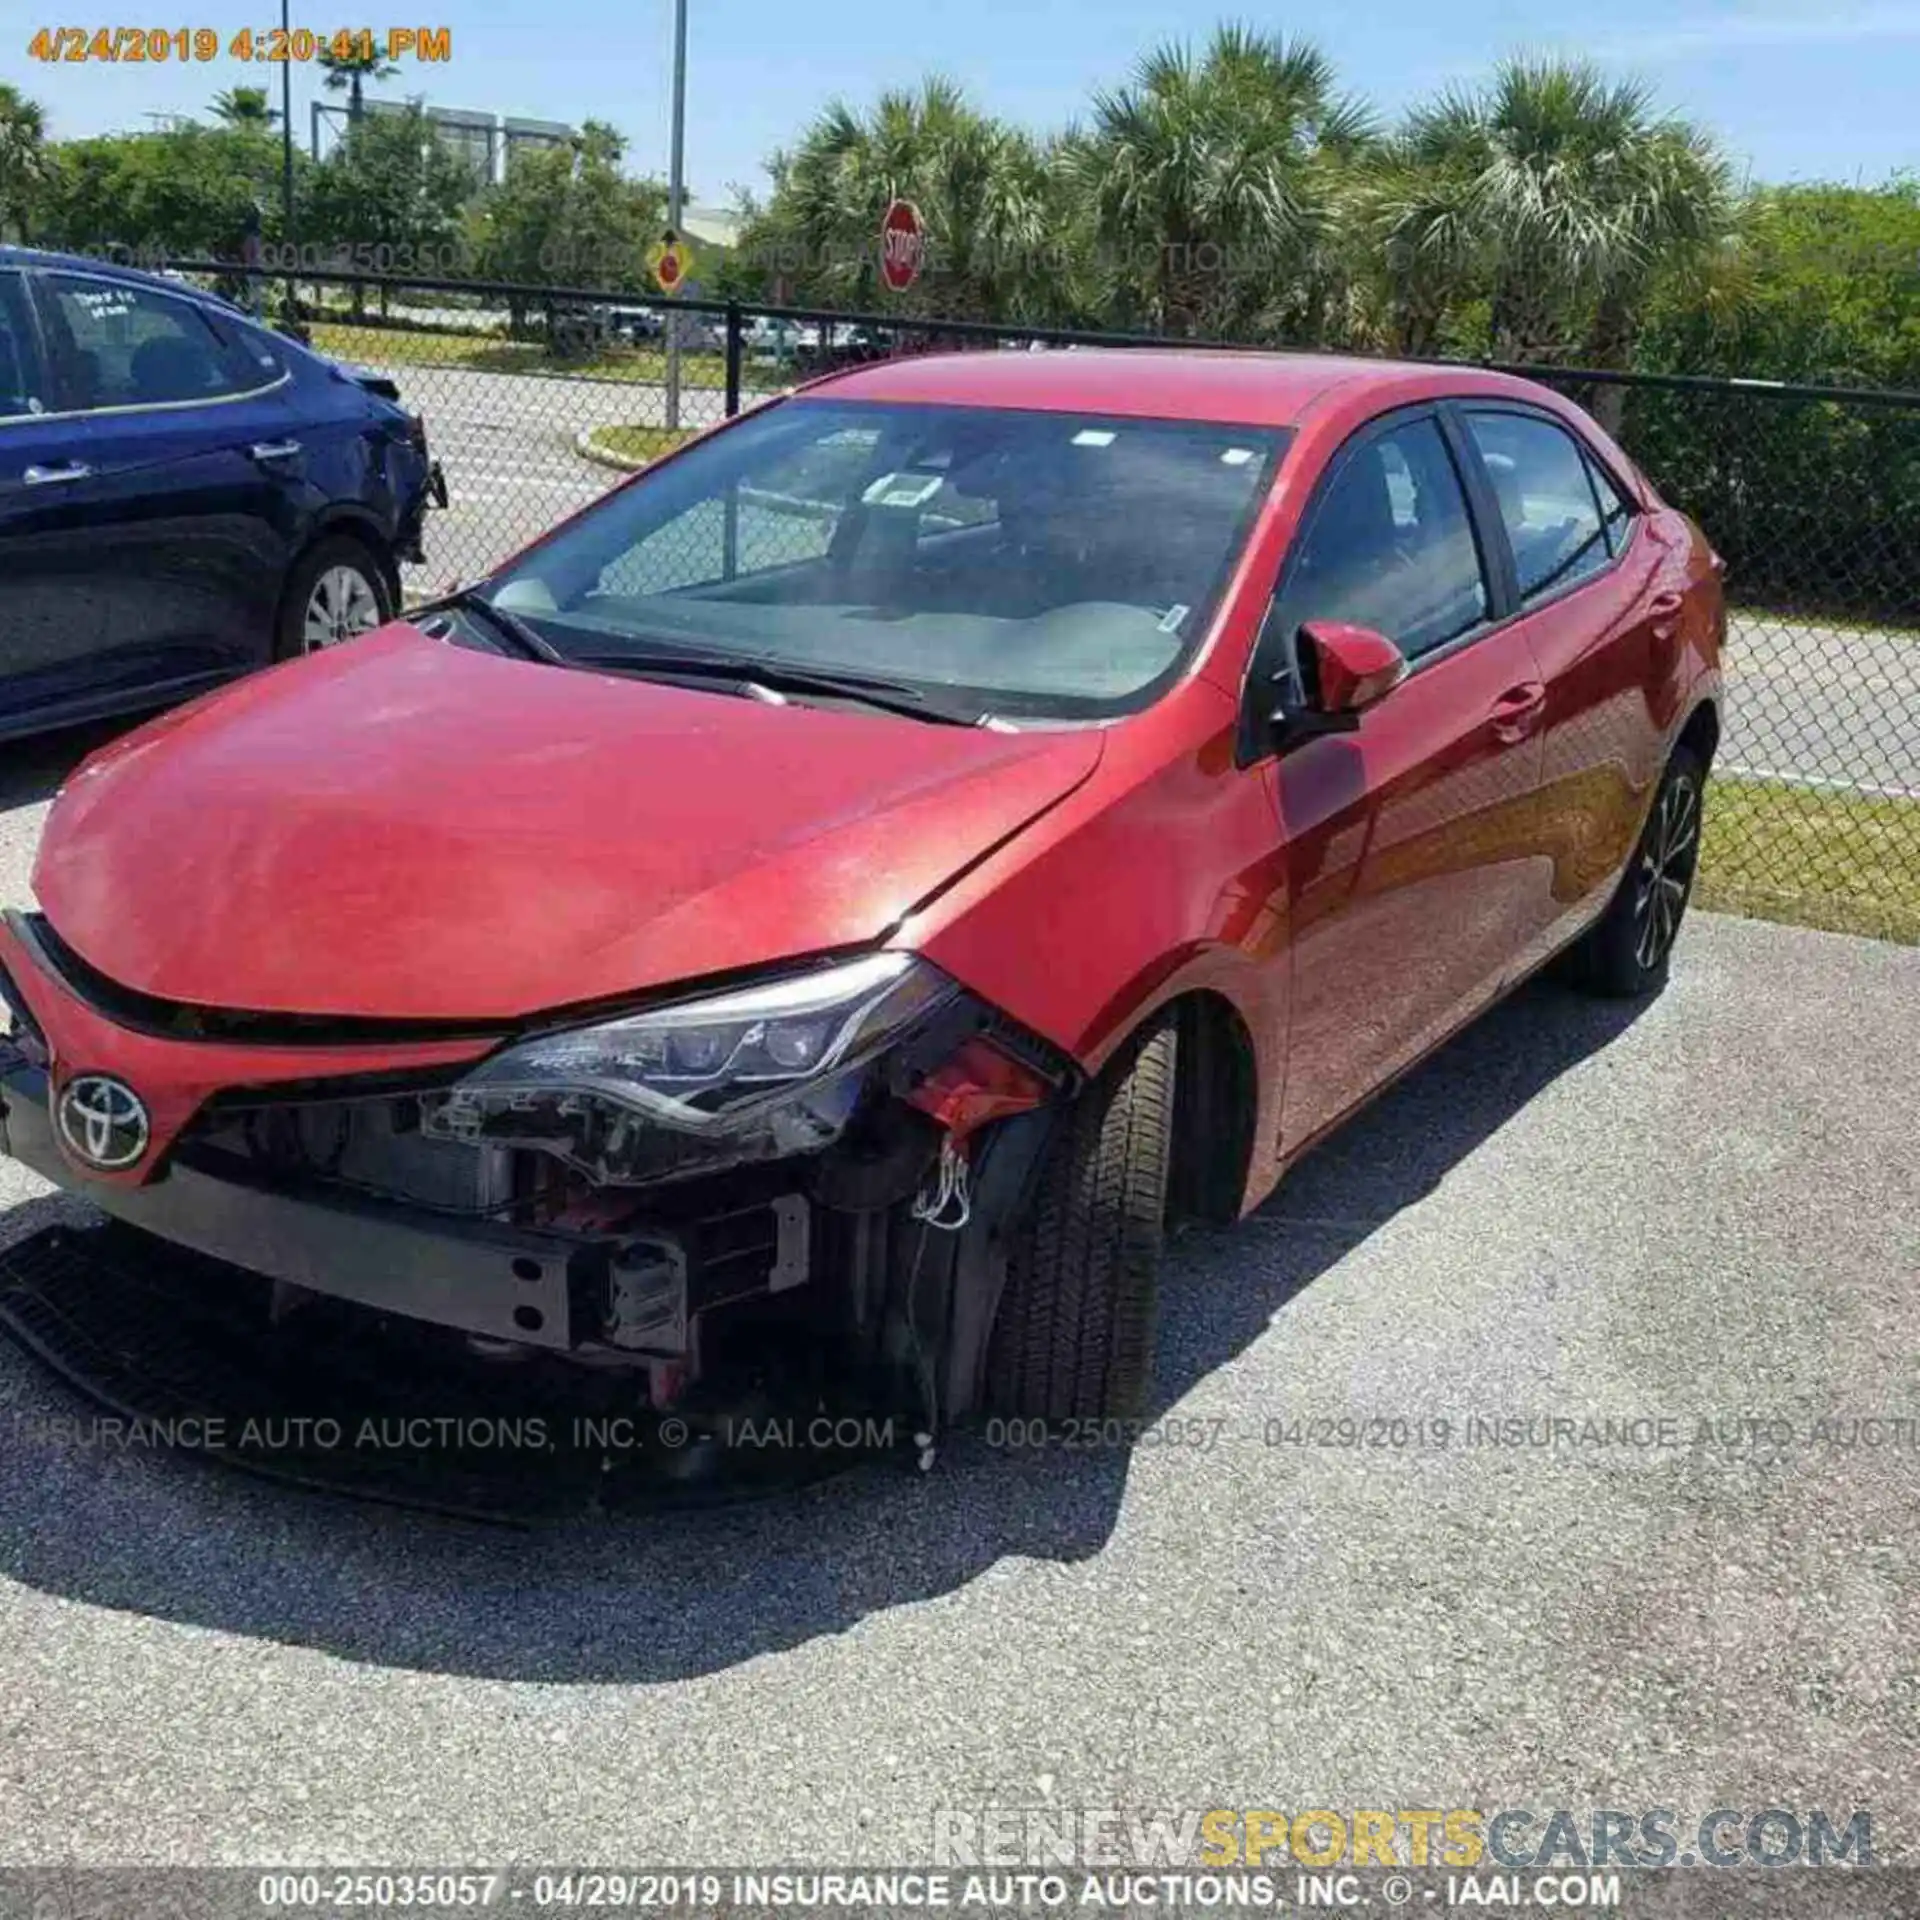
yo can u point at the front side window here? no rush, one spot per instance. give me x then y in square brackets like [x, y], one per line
[125, 346]
[1038, 563]
[1540, 479]
[1389, 545]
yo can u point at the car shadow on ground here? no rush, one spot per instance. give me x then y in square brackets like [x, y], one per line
[32, 770]
[677, 1595]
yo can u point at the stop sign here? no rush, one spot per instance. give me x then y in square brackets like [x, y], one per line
[903, 245]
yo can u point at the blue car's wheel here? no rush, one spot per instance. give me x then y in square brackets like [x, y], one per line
[336, 591]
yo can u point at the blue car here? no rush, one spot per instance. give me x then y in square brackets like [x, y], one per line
[184, 494]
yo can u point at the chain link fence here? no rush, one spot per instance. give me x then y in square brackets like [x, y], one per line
[537, 400]
[1813, 499]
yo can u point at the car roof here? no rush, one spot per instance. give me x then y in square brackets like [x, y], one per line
[1242, 388]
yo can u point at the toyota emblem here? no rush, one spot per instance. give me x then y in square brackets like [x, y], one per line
[103, 1123]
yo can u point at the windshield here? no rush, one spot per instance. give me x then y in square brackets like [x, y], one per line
[1045, 564]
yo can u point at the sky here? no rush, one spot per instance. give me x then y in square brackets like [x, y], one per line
[1795, 89]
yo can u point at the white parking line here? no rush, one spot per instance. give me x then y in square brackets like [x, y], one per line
[1870, 788]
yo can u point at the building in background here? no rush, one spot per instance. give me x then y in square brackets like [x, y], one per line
[482, 140]
[713, 227]
[532, 135]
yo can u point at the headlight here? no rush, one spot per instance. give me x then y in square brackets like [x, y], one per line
[760, 1071]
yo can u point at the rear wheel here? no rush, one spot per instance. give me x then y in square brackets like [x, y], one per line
[336, 591]
[1074, 1335]
[1627, 950]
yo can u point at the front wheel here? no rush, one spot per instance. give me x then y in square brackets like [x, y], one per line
[1625, 954]
[1074, 1335]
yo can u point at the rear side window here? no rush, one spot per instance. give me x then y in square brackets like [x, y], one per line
[1541, 479]
[1616, 510]
[252, 355]
[20, 393]
[1390, 546]
[124, 346]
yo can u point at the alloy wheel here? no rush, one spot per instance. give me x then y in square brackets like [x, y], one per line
[341, 605]
[1668, 855]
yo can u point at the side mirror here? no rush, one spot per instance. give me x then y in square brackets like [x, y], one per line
[1344, 669]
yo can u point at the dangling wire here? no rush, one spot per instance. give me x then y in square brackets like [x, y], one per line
[922, 1361]
[944, 1203]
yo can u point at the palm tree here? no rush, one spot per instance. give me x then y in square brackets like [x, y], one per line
[348, 73]
[23, 159]
[1414, 222]
[1562, 193]
[1212, 180]
[982, 189]
[244, 109]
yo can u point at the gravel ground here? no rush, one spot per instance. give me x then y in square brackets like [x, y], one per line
[1708, 1210]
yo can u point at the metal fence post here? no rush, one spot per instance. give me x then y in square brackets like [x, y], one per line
[734, 343]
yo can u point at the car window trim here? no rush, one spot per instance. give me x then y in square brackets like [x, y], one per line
[1253, 743]
[38, 365]
[1470, 404]
[1600, 479]
[44, 297]
[148, 406]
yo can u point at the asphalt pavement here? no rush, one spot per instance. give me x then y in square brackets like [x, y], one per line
[1824, 706]
[1707, 1208]
[507, 443]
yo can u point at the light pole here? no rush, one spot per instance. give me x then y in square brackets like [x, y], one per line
[288, 251]
[676, 195]
[286, 128]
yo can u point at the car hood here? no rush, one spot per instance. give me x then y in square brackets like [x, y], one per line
[407, 829]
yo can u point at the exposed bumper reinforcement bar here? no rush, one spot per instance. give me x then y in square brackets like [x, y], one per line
[478, 1278]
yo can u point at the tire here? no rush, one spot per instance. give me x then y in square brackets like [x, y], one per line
[1625, 954]
[320, 580]
[1073, 1338]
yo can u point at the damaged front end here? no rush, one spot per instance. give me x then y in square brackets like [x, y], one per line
[788, 1192]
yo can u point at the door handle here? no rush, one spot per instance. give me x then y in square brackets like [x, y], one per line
[1661, 610]
[273, 450]
[1518, 711]
[56, 476]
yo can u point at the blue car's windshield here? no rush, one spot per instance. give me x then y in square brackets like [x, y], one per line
[1037, 563]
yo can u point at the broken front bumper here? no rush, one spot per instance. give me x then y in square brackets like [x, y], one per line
[481, 1278]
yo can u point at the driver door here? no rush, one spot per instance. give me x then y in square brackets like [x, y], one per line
[1417, 859]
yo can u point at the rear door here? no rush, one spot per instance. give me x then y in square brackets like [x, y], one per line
[1588, 580]
[157, 534]
[1414, 843]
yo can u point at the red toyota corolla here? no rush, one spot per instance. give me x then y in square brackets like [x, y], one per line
[845, 889]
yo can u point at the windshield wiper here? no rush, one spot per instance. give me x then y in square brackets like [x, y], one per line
[775, 676]
[467, 600]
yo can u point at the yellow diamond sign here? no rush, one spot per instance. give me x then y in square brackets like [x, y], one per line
[671, 260]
